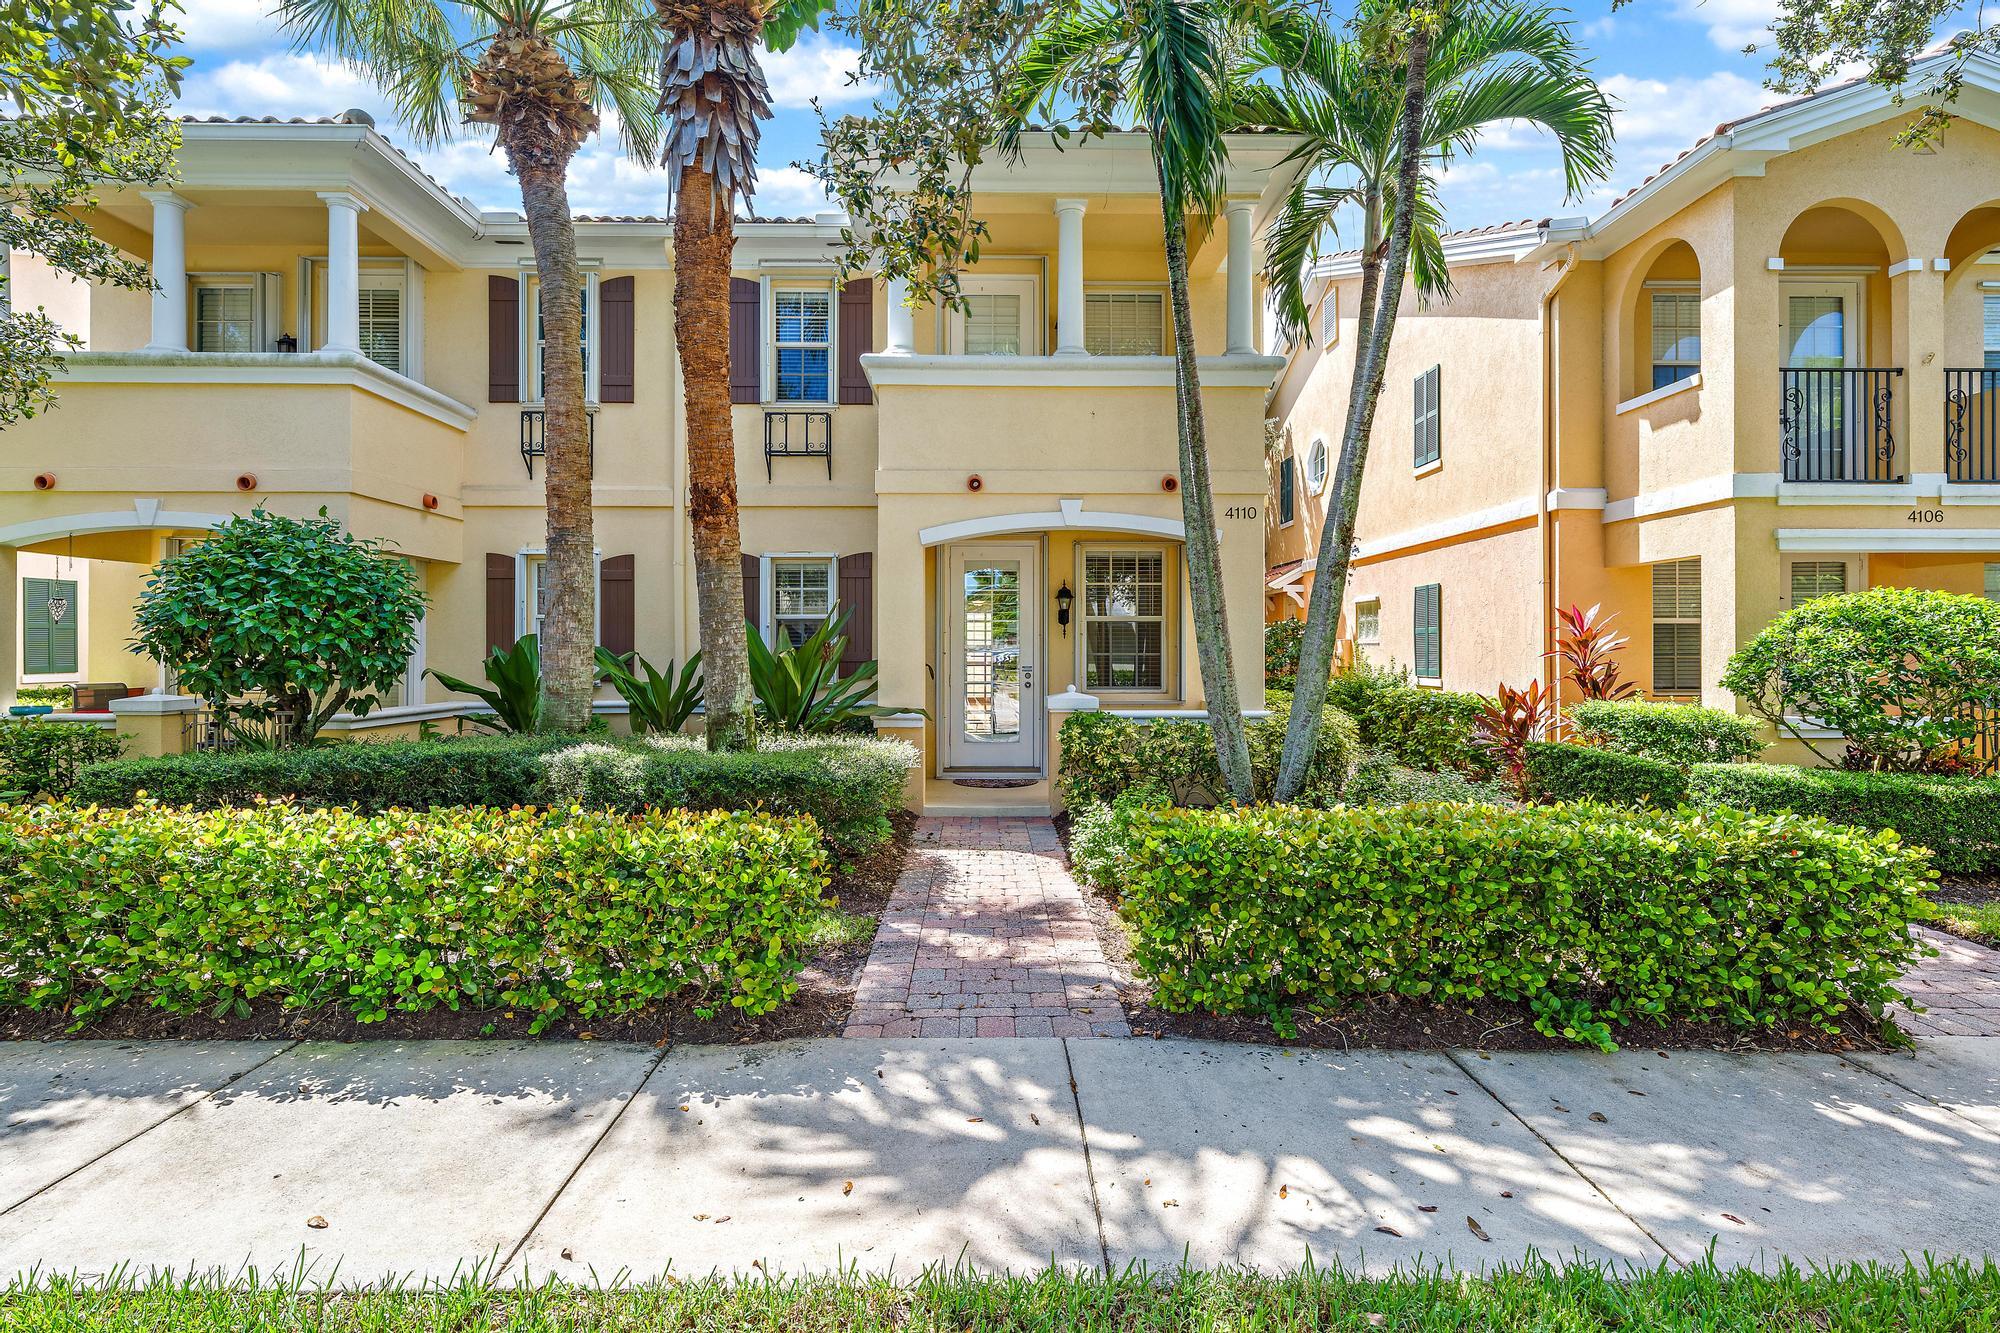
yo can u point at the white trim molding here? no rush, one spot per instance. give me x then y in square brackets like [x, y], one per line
[143, 516]
[1514, 511]
[1071, 514]
[1693, 495]
[1655, 395]
[1577, 497]
[323, 367]
[1065, 372]
[1849, 541]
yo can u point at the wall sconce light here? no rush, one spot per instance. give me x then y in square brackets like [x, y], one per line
[1064, 600]
[287, 343]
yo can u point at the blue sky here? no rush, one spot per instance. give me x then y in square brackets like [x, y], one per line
[1674, 68]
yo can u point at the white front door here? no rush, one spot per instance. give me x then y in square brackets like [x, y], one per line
[1821, 339]
[989, 602]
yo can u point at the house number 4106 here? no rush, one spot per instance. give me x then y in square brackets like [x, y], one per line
[1927, 516]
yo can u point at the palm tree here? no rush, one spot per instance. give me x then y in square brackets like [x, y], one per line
[538, 73]
[1170, 64]
[1379, 115]
[712, 96]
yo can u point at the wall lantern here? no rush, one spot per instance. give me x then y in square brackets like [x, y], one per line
[1064, 600]
[287, 343]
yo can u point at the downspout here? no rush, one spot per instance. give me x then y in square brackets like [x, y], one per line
[1551, 470]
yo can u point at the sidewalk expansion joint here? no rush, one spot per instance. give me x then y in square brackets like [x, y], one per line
[1089, 1169]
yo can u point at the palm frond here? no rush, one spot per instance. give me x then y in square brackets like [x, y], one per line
[1293, 240]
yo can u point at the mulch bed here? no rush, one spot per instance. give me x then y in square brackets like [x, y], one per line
[826, 993]
[1393, 1023]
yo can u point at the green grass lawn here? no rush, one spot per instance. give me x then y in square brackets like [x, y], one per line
[1974, 921]
[1925, 1296]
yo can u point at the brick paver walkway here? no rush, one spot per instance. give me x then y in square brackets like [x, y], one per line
[986, 936]
[1959, 989]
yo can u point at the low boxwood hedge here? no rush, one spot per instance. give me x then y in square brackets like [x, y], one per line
[1590, 915]
[554, 913]
[1426, 729]
[1103, 756]
[1559, 772]
[1958, 818]
[849, 785]
[1675, 733]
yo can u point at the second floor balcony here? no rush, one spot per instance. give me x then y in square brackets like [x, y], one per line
[1839, 424]
[1972, 425]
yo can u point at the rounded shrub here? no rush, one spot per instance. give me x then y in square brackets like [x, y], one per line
[1674, 733]
[1561, 772]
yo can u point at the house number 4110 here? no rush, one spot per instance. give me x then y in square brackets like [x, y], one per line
[1240, 511]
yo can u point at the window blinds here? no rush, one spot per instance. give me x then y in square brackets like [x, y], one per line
[382, 326]
[1124, 323]
[1817, 578]
[1677, 627]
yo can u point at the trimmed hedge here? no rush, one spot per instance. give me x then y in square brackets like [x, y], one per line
[1590, 915]
[1560, 772]
[1958, 818]
[1676, 733]
[43, 758]
[849, 786]
[556, 913]
[1423, 728]
[1104, 756]
[1379, 780]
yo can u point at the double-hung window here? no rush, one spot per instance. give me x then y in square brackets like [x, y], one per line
[1125, 598]
[1817, 578]
[802, 595]
[538, 339]
[1368, 621]
[802, 342]
[1427, 647]
[1989, 325]
[1676, 342]
[235, 312]
[535, 595]
[1426, 423]
[1677, 626]
[1125, 323]
[382, 301]
[1993, 583]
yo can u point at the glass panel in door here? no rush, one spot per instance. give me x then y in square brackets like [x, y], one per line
[991, 666]
[1816, 345]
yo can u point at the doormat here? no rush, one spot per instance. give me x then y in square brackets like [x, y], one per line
[994, 784]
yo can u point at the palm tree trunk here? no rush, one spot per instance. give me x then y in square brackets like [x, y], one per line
[1204, 556]
[1336, 538]
[569, 626]
[704, 237]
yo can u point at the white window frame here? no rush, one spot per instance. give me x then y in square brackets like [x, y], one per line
[267, 303]
[527, 578]
[1655, 619]
[1655, 290]
[1329, 317]
[767, 587]
[1024, 285]
[1989, 327]
[1324, 452]
[1363, 615]
[768, 308]
[311, 320]
[531, 351]
[1156, 290]
[1993, 581]
[1169, 617]
[1856, 567]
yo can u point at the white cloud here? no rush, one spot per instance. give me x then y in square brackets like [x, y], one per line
[816, 67]
[1669, 115]
[1732, 24]
[280, 85]
[788, 192]
[211, 25]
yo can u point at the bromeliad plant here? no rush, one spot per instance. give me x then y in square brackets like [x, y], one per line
[516, 696]
[1585, 643]
[659, 702]
[801, 688]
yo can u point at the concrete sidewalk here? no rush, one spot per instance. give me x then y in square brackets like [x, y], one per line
[585, 1159]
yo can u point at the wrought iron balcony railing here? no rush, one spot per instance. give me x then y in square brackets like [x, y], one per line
[1837, 424]
[798, 435]
[532, 444]
[1972, 425]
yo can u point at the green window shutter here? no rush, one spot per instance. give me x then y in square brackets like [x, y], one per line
[1428, 649]
[48, 645]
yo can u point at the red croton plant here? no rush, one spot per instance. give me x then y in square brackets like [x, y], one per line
[1509, 721]
[1585, 644]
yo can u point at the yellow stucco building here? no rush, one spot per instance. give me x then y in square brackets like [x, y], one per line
[992, 491]
[1764, 375]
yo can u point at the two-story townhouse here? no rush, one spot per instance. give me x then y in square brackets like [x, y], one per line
[992, 490]
[1764, 375]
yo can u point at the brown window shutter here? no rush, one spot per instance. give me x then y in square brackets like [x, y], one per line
[503, 340]
[857, 595]
[618, 361]
[753, 599]
[857, 338]
[617, 607]
[499, 602]
[746, 340]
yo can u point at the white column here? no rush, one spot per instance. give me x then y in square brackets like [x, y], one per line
[902, 319]
[1069, 277]
[1242, 275]
[343, 272]
[170, 286]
